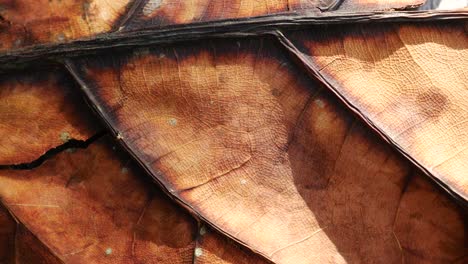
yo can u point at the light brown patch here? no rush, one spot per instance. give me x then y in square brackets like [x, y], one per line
[286, 174]
[387, 78]
[40, 111]
[32, 22]
[102, 218]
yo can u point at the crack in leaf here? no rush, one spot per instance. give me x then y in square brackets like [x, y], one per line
[70, 144]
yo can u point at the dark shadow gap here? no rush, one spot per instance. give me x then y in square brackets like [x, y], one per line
[71, 144]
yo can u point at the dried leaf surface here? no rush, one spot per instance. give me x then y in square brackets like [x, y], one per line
[32, 22]
[28, 23]
[158, 13]
[408, 81]
[40, 111]
[90, 205]
[7, 236]
[245, 140]
[238, 135]
[93, 206]
[29, 249]
[214, 248]
[429, 227]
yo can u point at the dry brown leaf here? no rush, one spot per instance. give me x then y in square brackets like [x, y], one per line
[29, 249]
[40, 111]
[408, 81]
[213, 248]
[7, 236]
[429, 227]
[235, 133]
[31, 22]
[28, 23]
[158, 13]
[238, 135]
[91, 206]
[93, 182]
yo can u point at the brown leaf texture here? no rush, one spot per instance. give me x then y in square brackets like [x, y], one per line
[158, 13]
[40, 111]
[81, 206]
[429, 227]
[7, 236]
[31, 22]
[245, 140]
[29, 249]
[213, 248]
[408, 81]
[91, 206]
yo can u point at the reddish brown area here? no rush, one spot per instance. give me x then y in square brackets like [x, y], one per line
[408, 81]
[40, 111]
[428, 221]
[92, 206]
[213, 248]
[29, 249]
[158, 13]
[7, 236]
[26, 23]
[29, 22]
[244, 139]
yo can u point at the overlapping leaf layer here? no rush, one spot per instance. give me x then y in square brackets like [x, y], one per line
[303, 145]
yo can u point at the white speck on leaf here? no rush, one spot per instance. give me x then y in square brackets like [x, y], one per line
[108, 251]
[198, 252]
[319, 103]
[61, 37]
[172, 121]
[151, 6]
[65, 137]
[202, 230]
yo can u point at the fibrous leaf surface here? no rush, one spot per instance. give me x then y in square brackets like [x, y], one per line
[408, 81]
[39, 111]
[245, 140]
